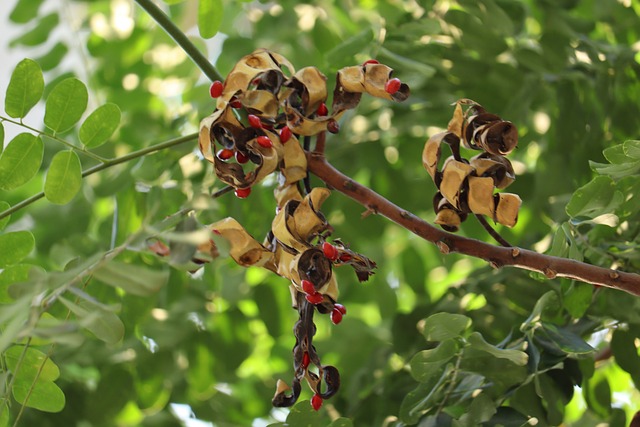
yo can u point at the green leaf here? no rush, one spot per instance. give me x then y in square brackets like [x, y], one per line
[53, 57]
[476, 341]
[134, 279]
[100, 125]
[44, 396]
[565, 340]
[429, 363]
[302, 414]
[631, 149]
[624, 350]
[481, 410]
[597, 394]
[25, 89]
[31, 364]
[64, 178]
[424, 397]
[1, 137]
[4, 221]
[342, 422]
[578, 299]
[342, 54]
[15, 246]
[20, 161]
[209, 17]
[443, 326]
[102, 323]
[65, 104]
[40, 33]
[25, 11]
[595, 198]
[10, 275]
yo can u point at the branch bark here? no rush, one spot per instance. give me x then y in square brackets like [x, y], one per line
[497, 256]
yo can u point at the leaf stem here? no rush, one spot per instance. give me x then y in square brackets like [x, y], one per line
[107, 164]
[55, 138]
[183, 41]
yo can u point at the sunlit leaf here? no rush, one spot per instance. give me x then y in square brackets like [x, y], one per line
[43, 395]
[25, 11]
[595, 198]
[30, 363]
[444, 326]
[40, 33]
[64, 178]
[209, 17]
[517, 357]
[132, 278]
[15, 246]
[20, 161]
[65, 104]
[100, 125]
[25, 89]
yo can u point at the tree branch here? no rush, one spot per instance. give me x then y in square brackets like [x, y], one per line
[497, 256]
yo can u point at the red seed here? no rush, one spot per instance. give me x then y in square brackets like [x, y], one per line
[308, 287]
[241, 158]
[345, 257]
[215, 231]
[322, 109]
[392, 86]
[341, 308]
[254, 121]
[235, 103]
[224, 154]
[370, 61]
[305, 360]
[243, 193]
[330, 251]
[265, 141]
[215, 90]
[316, 402]
[315, 299]
[285, 134]
[336, 316]
[333, 126]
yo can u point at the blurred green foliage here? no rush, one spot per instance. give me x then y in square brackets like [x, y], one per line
[140, 341]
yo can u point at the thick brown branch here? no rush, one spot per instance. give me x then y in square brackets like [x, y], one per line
[497, 256]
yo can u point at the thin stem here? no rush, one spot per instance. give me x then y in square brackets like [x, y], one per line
[497, 256]
[222, 191]
[498, 238]
[107, 164]
[55, 138]
[183, 41]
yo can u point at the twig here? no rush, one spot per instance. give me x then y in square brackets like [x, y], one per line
[107, 164]
[498, 238]
[497, 256]
[183, 41]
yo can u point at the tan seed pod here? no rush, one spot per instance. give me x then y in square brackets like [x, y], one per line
[507, 207]
[454, 174]
[480, 196]
[497, 167]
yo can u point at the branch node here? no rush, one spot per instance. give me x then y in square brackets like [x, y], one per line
[443, 247]
[348, 185]
[494, 265]
[515, 252]
[551, 274]
[371, 209]
[614, 274]
[405, 214]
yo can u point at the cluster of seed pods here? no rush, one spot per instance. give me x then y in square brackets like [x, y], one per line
[261, 113]
[467, 186]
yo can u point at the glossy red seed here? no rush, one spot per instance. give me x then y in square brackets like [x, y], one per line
[308, 287]
[285, 134]
[254, 121]
[314, 299]
[333, 126]
[330, 251]
[345, 257]
[370, 61]
[392, 86]
[341, 308]
[235, 103]
[322, 109]
[224, 154]
[316, 402]
[241, 158]
[336, 316]
[305, 360]
[265, 141]
[243, 193]
[215, 90]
